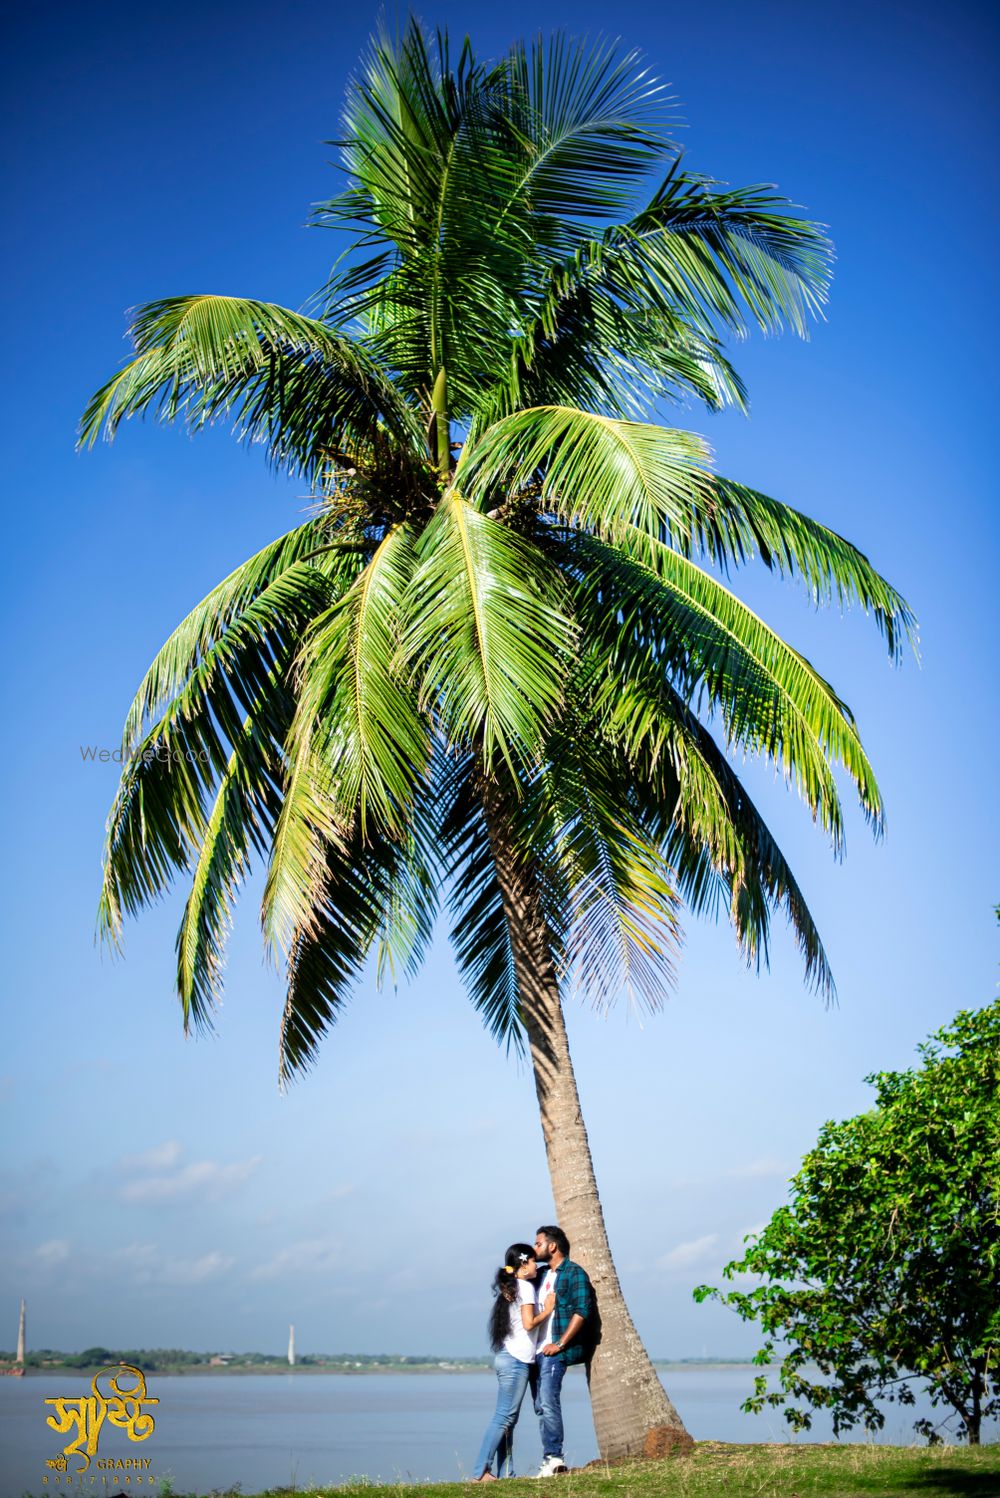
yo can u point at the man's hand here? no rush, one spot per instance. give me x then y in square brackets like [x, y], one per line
[575, 1323]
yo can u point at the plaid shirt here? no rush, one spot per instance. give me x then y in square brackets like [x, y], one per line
[574, 1297]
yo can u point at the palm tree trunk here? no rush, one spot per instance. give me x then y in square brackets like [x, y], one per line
[633, 1415]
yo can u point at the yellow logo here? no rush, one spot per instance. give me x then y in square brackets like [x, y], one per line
[122, 1407]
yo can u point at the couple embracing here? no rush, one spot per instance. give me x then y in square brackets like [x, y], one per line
[543, 1321]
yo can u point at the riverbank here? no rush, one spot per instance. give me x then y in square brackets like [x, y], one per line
[717, 1470]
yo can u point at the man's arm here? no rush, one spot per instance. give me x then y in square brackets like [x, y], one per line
[575, 1322]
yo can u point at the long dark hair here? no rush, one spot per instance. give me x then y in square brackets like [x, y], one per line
[505, 1292]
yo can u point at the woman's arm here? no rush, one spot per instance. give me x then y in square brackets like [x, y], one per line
[530, 1318]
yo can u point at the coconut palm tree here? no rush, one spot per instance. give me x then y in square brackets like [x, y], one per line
[499, 660]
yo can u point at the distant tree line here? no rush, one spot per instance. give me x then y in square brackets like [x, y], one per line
[162, 1359]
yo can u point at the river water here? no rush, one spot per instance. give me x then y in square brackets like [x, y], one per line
[264, 1430]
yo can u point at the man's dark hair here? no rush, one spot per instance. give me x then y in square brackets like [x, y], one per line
[558, 1237]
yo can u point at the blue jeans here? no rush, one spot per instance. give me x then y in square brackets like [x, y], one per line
[548, 1408]
[513, 1377]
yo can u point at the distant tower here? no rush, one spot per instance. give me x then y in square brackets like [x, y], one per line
[20, 1337]
[291, 1347]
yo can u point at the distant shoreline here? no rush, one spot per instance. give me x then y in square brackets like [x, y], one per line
[344, 1370]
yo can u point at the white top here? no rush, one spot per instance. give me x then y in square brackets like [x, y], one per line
[518, 1342]
[544, 1331]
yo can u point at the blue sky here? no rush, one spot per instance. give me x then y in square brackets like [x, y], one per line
[156, 1191]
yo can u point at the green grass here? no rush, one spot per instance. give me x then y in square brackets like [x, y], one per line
[715, 1470]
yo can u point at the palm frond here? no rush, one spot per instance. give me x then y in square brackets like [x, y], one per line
[588, 351]
[616, 906]
[205, 626]
[487, 637]
[239, 824]
[591, 121]
[370, 891]
[407, 925]
[480, 935]
[305, 832]
[746, 522]
[614, 476]
[356, 706]
[713, 836]
[158, 819]
[672, 618]
[600, 345]
[634, 315]
[595, 471]
[427, 146]
[713, 255]
[403, 110]
[292, 382]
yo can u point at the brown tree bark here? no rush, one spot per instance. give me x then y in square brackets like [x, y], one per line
[633, 1416]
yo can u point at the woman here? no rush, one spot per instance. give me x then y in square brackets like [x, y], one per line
[512, 1325]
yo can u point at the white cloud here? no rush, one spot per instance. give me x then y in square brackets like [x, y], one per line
[160, 1157]
[149, 1267]
[205, 1180]
[53, 1252]
[309, 1256]
[687, 1255]
[195, 1271]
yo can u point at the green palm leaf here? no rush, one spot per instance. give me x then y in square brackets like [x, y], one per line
[221, 666]
[158, 819]
[590, 351]
[632, 316]
[426, 146]
[487, 637]
[241, 822]
[205, 626]
[371, 890]
[480, 934]
[595, 471]
[407, 925]
[357, 708]
[305, 831]
[748, 522]
[713, 837]
[680, 621]
[591, 124]
[293, 383]
[610, 476]
[616, 903]
[710, 255]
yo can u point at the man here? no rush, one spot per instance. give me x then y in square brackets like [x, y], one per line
[564, 1339]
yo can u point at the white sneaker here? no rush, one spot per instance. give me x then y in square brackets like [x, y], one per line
[550, 1466]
